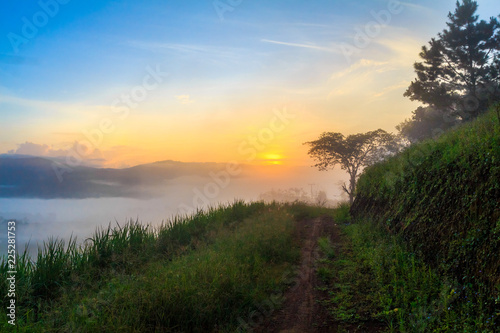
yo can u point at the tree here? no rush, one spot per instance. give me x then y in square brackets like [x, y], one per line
[352, 153]
[460, 71]
[426, 122]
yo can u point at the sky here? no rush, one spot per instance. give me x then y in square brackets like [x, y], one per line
[123, 83]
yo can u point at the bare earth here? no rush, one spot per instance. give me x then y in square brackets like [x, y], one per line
[301, 311]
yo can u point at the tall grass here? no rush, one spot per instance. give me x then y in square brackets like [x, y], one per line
[194, 271]
[197, 292]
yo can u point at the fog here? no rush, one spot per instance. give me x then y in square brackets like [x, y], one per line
[39, 219]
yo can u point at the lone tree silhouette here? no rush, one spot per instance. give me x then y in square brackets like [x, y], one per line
[352, 152]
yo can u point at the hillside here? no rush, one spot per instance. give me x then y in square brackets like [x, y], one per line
[442, 199]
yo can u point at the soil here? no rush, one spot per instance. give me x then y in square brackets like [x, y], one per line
[302, 311]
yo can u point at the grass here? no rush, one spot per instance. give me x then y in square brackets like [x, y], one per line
[200, 273]
[440, 197]
[373, 277]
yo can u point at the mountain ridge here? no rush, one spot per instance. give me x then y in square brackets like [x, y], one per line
[26, 176]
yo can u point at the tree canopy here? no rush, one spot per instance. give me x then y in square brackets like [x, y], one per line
[426, 122]
[460, 70]
[352, 153]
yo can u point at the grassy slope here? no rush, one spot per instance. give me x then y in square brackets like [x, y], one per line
[439, 200]
[374, 281]
[203, 273]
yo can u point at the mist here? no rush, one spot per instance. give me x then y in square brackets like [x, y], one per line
[39, 219]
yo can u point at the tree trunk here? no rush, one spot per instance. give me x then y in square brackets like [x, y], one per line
[352, 188]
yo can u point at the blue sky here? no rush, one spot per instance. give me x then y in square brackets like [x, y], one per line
[225, 74]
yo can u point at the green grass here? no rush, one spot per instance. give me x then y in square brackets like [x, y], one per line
[342, 214]
[205, 272]
[374, 278]
[439, 198]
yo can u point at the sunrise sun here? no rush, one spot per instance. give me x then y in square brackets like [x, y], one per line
[272, 158]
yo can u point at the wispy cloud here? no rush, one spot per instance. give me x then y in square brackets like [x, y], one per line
[92, 157]
[47, 106]
[400, 86]
[415, 6]
[365, 78]
[306, 46]
[228, 53]
[404, 49]
[363, 63]
[310, 25]
[156, 46]
[184, 99]
[113, 157]
[75, 112]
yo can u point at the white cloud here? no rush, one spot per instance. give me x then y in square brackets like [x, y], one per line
[64, 110]
[361, 64]
[399, 86]
[389, 68]
[416, 7]
[405, 50]
[204, 52]
[184, 99]
[89, 156]
[30, 148]
[307, 46]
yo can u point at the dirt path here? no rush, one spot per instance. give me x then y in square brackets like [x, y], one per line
[301, 312]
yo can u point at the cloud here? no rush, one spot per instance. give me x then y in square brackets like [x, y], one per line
[30, 148]
[361, 64]
[90, 157]
[338, 92]
[416, 7]
[388, 68]
[45, 107]
[184, 99]
[112, 157]
[386, 90]
[196, 50]
[306, 46]
[404, 49]
[359, 78]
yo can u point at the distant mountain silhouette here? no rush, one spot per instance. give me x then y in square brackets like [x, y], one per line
[23, 176]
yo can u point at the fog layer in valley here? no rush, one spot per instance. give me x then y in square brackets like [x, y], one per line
[38, 219]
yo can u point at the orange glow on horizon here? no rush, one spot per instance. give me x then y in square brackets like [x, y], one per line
[272, 158]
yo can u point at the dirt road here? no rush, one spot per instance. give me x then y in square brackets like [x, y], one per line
[301, 312]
